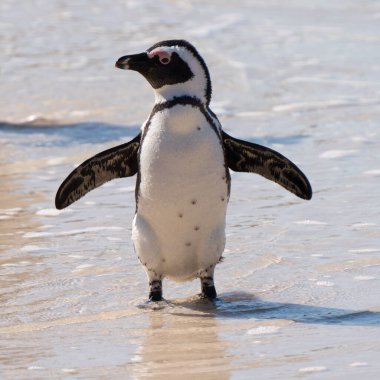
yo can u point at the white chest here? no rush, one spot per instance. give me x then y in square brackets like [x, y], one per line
[181, 156]
[183, 193]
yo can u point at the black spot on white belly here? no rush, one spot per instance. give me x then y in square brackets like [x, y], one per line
[196, 228]
[194, 201]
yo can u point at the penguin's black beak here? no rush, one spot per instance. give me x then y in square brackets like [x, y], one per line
[136, 62]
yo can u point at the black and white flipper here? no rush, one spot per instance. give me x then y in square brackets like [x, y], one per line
[244, 156]
[118, 162]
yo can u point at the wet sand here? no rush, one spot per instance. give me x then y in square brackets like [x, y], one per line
[299, 286]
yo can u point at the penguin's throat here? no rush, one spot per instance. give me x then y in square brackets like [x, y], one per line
[188, 89]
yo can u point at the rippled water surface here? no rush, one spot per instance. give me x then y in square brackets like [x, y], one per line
[299, 287]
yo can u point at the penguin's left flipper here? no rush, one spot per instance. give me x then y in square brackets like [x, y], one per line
[243, 156]
[117, 162]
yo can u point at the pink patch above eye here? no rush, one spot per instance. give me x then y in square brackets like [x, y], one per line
[163, 55]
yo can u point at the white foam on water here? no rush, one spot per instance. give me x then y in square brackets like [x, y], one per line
[46, 226]
[310, 222]
[35, 367]
[81, 267]
[363, 225]
[364, 278]
[364, 250]
[373, 172]
[263, 330]
[136, 359]
[10, 211]
[331, 154]
[312, 369]
[324, 283]
[37, 119]
[358, 364]
[49, 212]
[25, 262]
[76, 256]
[69, 370]
[55, 161]
[111, 238]
[71, 232]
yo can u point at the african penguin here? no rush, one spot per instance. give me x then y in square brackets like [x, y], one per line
[182, 159]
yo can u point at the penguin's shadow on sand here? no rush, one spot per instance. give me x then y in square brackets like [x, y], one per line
[244, 305]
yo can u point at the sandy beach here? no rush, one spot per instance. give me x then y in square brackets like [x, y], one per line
[300, 282]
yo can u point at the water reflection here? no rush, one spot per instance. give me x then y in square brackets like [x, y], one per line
[174, 344]
[15, 263]
[195, 337]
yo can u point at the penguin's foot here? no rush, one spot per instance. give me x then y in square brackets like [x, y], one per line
[208, 288]
[155, 293]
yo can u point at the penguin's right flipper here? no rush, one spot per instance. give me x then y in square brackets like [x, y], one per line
[117, 162]
[243, 156]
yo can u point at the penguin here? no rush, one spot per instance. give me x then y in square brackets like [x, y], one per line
[182, 158]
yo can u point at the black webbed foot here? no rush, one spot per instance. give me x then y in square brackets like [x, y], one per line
[155, 293]
[208, 288]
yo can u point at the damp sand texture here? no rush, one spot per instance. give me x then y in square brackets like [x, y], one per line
[299, 287]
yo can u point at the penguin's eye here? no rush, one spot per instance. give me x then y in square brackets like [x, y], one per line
[163, 55]
[165, 60]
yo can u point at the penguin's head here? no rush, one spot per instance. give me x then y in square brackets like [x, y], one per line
[173, 68]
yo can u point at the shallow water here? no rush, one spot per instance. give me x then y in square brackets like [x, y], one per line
[299, 287]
